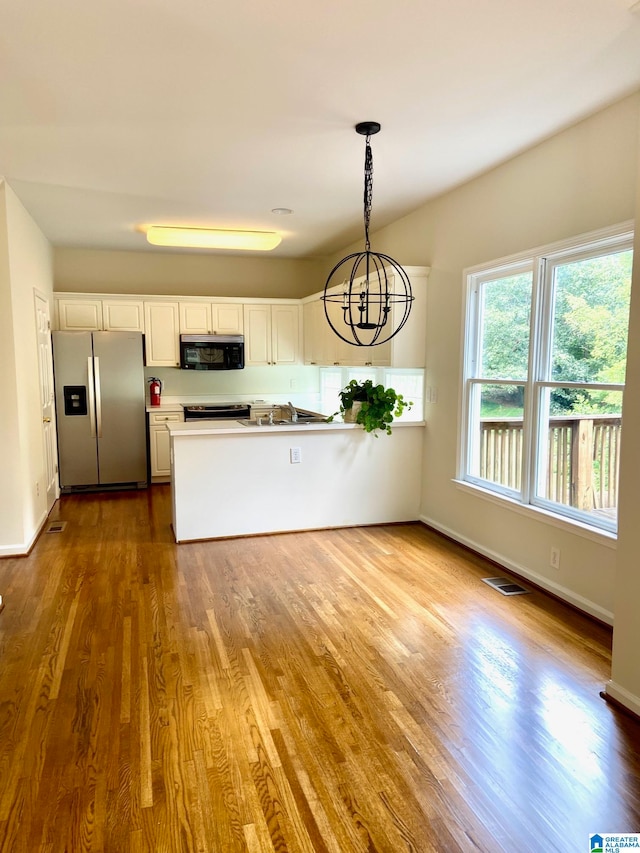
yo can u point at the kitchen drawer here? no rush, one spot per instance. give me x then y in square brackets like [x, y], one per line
[165, 417]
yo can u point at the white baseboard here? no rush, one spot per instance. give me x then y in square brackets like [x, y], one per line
[556, 589]
[23, 548]
[623, 697]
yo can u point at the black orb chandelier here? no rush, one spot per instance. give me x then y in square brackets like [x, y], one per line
[375, 296]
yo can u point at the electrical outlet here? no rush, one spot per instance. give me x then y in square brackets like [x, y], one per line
[295, 454]
[554, 557]
[37, 490]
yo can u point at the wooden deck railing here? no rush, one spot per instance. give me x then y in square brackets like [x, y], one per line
[583, 454]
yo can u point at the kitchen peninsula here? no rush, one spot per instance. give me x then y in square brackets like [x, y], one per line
[233, 479]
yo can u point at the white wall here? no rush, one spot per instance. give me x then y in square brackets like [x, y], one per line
[11, 529]
[25, 264]
[625, 671]
[578, 181]
[284, 382]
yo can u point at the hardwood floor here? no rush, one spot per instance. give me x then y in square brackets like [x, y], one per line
[336, 692]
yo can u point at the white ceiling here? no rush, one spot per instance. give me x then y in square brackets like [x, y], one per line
[131, 112]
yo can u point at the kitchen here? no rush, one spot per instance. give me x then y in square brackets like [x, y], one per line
[269, 373]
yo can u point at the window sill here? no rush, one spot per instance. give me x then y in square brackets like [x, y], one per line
[595, 534]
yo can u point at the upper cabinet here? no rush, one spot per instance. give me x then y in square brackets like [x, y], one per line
[406, 350]
[285, 334]
[273, 331]
[82, 314]
[211, 318]
[162, 342]
[79, 315]
[312, 320]
[272, 334]
[122, 315]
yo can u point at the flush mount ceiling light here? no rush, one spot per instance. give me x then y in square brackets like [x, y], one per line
[375, 299]
[212, 238]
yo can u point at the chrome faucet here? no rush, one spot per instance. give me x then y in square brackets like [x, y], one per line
[294, 413]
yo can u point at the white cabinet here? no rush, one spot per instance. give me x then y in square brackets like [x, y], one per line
[285, 332]
[312, 320]
[122, 315]
[211, 318]
[272, 334]
[333, 349]
[406, 350]
[79, 315]
[161, 334]
[321, 344]
[257, 340]
[195, 318]
[84, 314]
[159, 445]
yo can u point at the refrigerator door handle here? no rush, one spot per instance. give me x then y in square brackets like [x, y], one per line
[96, 362]
[92, 397]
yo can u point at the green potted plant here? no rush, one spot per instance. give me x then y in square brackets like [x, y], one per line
[372, 406]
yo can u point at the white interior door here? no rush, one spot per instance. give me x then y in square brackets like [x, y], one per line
[45, 364]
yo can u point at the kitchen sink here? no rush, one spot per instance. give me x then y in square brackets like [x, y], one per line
[302, 420]
[281, 416]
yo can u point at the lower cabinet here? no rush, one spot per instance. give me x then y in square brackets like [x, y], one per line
[159, 448]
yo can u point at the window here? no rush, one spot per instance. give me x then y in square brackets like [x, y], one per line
[544, 367]
[408, 382]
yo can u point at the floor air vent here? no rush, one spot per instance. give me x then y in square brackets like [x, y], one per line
[56, 526]
[505, 586]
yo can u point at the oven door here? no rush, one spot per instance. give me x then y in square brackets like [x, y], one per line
[224, 411]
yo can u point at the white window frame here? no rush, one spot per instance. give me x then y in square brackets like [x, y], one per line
[540, 262]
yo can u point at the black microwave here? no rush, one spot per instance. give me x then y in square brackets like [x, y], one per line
[212, 352]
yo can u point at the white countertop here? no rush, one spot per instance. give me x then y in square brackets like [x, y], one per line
[164, 407]
[224, 427]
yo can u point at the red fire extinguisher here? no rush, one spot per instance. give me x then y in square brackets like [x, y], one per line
[155, 389]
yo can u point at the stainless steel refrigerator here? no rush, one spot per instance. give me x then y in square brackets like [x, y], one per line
[100, 407]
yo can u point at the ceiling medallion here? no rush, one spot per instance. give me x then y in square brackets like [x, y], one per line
[374, 300]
